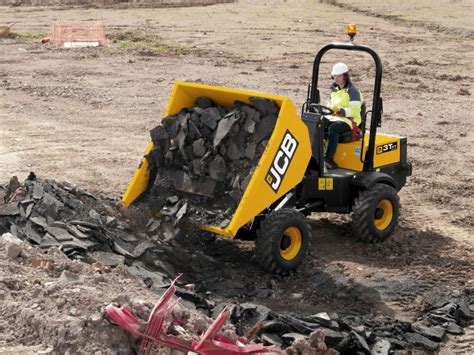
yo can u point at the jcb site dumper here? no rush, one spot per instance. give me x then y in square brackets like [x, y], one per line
[290, 180]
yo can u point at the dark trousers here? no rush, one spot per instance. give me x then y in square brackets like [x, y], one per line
[335, 130]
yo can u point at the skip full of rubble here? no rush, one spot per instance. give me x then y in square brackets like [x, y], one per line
[204, 158]
[65, 254]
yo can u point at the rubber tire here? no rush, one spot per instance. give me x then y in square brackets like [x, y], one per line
[268, 240]
[363, 213]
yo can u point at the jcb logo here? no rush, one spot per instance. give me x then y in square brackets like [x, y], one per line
[282, 161]
[387, 147]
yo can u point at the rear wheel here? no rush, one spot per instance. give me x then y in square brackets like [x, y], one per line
[375, 213]
[283, 241]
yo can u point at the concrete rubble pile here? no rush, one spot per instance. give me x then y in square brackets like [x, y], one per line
[204, 157]
[94, 229]
[353, 334]
[86, 227]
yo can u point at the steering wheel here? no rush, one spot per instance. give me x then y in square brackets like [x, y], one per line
[321, 109]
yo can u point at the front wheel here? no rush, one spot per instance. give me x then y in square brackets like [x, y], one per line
[375, 213]
[283, 241]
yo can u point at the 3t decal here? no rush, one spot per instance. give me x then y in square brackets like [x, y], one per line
[384, 148]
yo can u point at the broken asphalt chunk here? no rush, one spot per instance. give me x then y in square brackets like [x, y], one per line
[78, 245]
[181, 212]
[224, 223]
[172, 199]
[199, 301]
[264, 105]
[439, 319]
[26, 208]
[217, 168]
[448, 309]
[9, 209]
[153, 227]
[250, 151]
[272, 339]
[199, 148]
[322, 319]
[274, 326]
[210, 116]
[106, 258]
[159, 136]
[183, 182]
[60, 234]
[419, 340]
[203, 102]
[333, 338]
[157, 279]
[95, 216]
[48, 241]
[85, 224]
[397, 343]
[224, 127]
[249, 125]
[75, 231]
[38, 191]
[32, 234]
[289, 338]
[463, 312]
[119, 249]
[234, 152]
[361, 342]
[434, 333]
[142, 248]
[264, 128]
[49, 206]
[246, 315]
[453, 328]
[111, 222]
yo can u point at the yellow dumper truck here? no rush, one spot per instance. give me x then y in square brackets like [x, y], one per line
[290, 180]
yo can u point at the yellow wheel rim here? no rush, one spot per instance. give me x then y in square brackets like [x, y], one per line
[290, 243]
[386, 208]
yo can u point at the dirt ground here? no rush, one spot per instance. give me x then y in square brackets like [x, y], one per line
[84, 116]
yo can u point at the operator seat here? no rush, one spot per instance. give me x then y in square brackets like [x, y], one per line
[347, 136]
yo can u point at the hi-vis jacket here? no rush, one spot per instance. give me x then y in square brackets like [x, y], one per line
[349, 102]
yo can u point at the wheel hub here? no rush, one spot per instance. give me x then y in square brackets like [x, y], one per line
[285, 242]
[378, 213]
[383, 215]
[290, 243]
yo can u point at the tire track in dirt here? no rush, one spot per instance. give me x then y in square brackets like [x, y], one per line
[463, 344]
[409, 23]
[434, 219]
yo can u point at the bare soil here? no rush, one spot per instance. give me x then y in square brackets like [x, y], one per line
[84, 116]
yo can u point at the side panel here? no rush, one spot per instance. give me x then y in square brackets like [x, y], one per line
[387, 151]
[139, 181]
[267, 184]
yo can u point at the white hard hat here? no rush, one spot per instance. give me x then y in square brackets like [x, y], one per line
[339, 68]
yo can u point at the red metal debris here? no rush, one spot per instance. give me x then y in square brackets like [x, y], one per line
[154, 333]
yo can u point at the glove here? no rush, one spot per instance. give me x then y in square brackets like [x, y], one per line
[339, 112]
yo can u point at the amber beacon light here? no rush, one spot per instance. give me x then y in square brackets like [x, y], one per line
[351, 30]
